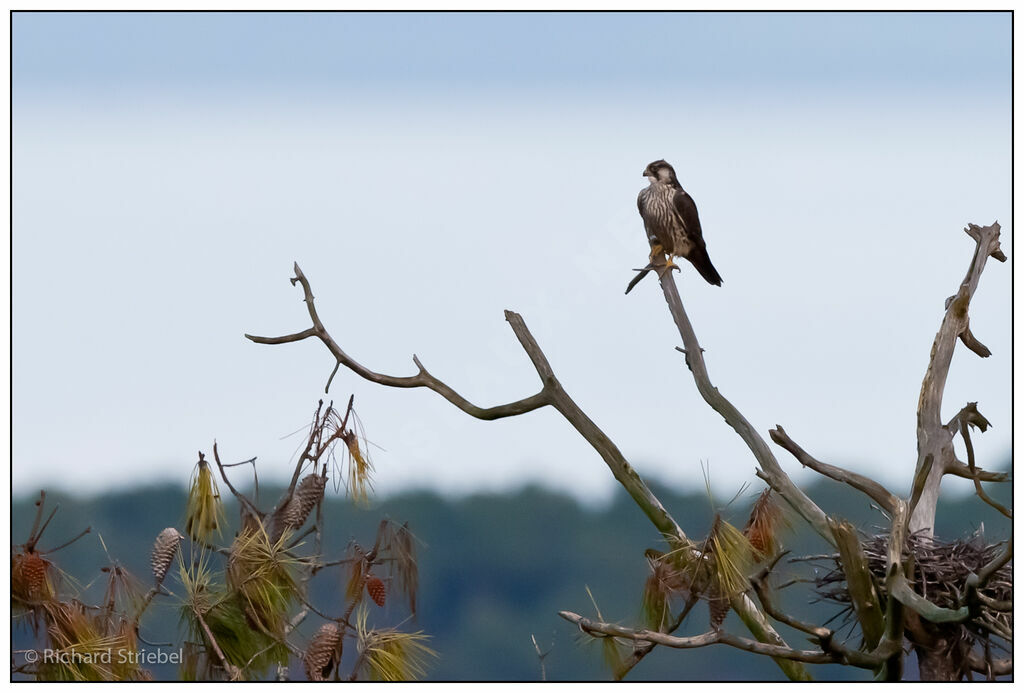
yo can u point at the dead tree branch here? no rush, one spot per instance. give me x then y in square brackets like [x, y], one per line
[974, 599]
[233, 671]
[957, 468]
[771, 471]
[551, 394]
[33, 534]
[825, 637]
[971, 415]
[998, 667]
[759, 583]
[760, 628]
[422, 378]
[894, 577]
[865, 485]
[554, 395]
[69, 542]
[884, 625]
[243, 500]
[973, 469]
[934, 440]
[641, 650]
[868, 661]
[540, 658]
[860, 584]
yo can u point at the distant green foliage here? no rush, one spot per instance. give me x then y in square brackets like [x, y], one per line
[494, 569]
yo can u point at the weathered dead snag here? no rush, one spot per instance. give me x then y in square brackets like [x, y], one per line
[951, 601]
[888, 582]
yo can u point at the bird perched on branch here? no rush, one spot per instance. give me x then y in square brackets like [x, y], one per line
[672, 225]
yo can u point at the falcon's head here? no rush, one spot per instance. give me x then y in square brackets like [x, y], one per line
[661, 171]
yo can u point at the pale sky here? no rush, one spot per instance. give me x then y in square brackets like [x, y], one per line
[429, 171]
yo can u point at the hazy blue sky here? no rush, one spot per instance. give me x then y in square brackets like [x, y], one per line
[428, 171]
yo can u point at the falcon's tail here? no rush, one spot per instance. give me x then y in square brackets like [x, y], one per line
[703, 264]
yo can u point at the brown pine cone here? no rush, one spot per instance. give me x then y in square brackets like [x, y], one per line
[33, 571]
[719, 609]
[307, 494]
[376, 589]
[323, 652]
[164, 548]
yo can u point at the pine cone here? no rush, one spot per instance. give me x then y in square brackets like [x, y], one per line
[164, 548]
[33, 571]
[764, 524]
[323, 652]
[759, 540]
[307, 494]
[719, 609]
[376, 589]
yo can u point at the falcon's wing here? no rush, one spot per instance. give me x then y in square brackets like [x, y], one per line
[687, 210]
[698, 254]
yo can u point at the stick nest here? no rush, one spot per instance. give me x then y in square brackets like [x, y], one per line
[940, 575]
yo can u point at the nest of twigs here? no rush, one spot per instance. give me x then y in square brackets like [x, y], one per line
[940, 576]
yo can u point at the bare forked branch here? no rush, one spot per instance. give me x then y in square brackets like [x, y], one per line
[935, 456]
[865, 485]
[973, 418]
[770, 470]
[973, 598]
[243, 500]
[957, 468]
[973, 469]
[890, 603]
[643, 649]
[970, 415]
[422, 378]
[551, 394]
[540, 657]
[860, 659]
[900, 589]
[825, 637]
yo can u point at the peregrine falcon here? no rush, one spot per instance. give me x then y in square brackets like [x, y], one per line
[672, 225]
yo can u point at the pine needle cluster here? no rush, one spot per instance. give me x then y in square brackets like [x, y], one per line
[241, 606]
[390, 654]
[204, 511]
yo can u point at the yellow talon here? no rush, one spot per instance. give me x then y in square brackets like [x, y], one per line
[667, 268]
[661, 261]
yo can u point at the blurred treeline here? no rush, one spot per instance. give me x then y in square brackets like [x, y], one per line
[494, 570]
